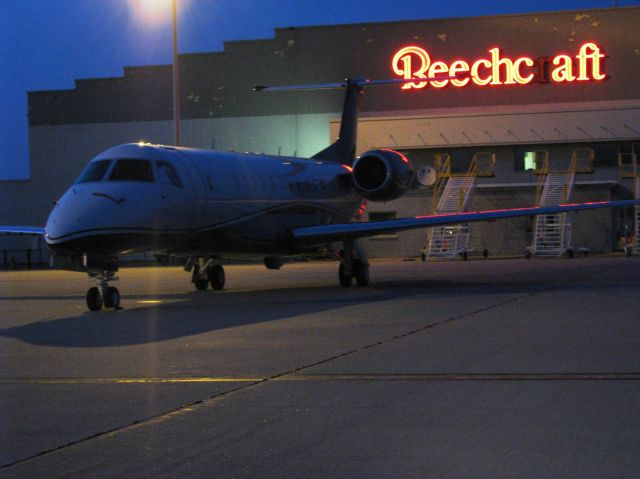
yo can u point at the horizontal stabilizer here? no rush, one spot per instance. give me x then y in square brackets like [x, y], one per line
[21, 230]
[358, 82]
[340, 232]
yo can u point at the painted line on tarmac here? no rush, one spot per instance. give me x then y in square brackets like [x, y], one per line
[467, 377]
[129, 380]
[594, 376]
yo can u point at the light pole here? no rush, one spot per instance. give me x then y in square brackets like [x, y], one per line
[176, 77]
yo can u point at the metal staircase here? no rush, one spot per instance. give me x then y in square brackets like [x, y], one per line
[628, 163]
[452, 193]
[456, 195]
[552, 233]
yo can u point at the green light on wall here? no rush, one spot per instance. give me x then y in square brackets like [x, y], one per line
[529, 160]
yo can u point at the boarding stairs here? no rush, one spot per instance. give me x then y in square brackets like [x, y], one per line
[628, 163]
[452, 194]
[552, 232]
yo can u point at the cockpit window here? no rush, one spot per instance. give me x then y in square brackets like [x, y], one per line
[132, 170]
[167, 174]
[94, 171]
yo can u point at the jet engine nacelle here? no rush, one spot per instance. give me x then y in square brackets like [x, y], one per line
[382, 175]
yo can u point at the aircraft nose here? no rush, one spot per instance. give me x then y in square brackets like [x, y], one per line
[76, 212]
[92, 212]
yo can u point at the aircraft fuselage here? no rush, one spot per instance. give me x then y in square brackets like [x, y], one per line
[140, 197]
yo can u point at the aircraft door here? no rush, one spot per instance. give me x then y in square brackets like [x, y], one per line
[196, 186]
[176, 197]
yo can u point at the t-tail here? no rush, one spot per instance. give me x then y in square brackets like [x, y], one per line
[343, 150]
[378, 175]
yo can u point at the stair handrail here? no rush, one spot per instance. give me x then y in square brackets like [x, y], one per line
[482, 164]
[628, 169]
[581, 163]
[541, 172]
[443, 173]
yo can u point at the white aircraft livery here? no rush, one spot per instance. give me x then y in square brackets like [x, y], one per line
[208, 205]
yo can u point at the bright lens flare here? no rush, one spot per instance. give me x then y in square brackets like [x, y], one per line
[152, 11]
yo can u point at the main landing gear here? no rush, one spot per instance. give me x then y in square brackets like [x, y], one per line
[353, 265]
[205, 271]
[103, 294]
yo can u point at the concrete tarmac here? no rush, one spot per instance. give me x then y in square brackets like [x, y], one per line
[484, 368]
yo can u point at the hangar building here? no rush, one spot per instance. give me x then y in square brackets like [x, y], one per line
[534, 91]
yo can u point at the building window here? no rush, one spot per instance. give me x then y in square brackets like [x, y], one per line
[530, 158]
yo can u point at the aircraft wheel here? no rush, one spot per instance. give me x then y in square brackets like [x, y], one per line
[345, 280]
[94, 300]
[361, 271]
[216, 277]
[112, 297]
[201, 284]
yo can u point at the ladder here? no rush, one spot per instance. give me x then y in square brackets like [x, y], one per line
[448, 241]
[552, 235]
[452, 194]
[628, 163]
[456, 194]
[552, 232]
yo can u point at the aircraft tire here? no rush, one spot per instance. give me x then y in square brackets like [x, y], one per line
[201, 284]
[94, 300]
[216, 277]
[345, 280]
[112, 297]
[361, 273]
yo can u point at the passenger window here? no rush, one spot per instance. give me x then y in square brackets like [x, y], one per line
[132, 170]
[94, 171]
[167, 174]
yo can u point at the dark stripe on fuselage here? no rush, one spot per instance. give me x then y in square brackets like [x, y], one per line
[227, 236]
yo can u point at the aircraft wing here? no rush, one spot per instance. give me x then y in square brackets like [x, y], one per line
[21, 230]
[341, 232]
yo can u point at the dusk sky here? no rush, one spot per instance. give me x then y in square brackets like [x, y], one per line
[47, 44]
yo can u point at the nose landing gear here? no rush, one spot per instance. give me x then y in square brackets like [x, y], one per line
[103, 294]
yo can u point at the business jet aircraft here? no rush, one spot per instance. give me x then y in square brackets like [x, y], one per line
[205, 205]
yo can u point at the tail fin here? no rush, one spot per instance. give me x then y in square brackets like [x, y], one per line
[344, 148]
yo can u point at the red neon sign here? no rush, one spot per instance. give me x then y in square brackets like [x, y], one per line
[497, 69]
